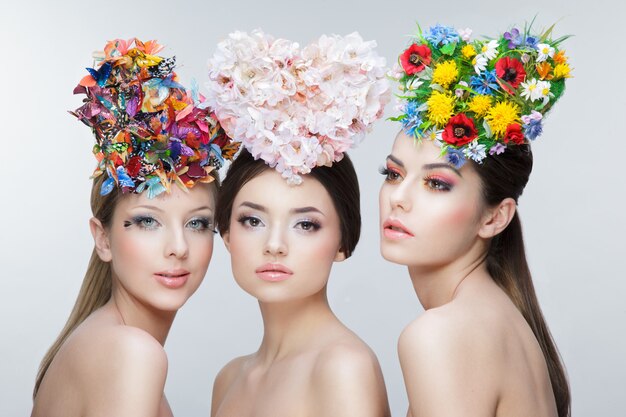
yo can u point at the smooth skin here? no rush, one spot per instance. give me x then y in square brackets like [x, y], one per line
[309, 363]
[471, 353]
[114, 364]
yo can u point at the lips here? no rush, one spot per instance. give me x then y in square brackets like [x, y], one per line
[395, 230]
[273, 272]
[174, 278]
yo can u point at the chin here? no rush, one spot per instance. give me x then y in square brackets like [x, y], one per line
[395, 254]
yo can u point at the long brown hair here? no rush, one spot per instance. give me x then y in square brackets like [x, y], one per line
[96, 288]
[505, 176]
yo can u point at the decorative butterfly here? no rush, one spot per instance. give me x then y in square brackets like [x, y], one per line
[153, 185]
[123, 179]
[97, 77]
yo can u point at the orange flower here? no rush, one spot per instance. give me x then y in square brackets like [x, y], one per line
[544, 68]
[560, 58]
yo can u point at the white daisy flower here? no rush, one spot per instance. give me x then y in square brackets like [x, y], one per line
[545, 52]
[490, 49]
[480, 63]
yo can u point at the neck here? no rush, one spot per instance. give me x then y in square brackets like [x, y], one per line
[133, 312]
[438, 285]
[290, 327]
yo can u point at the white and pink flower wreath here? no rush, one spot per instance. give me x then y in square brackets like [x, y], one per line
[297, 108]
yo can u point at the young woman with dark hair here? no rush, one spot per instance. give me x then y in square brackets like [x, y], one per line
[285, 227]
[448, 211]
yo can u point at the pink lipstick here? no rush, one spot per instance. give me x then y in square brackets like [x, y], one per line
[394, 230]
[173, 278]
[273, 272]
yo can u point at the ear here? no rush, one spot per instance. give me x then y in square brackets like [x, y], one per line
[226, 239]
[340, 256]
[497, 218]
[100, 239]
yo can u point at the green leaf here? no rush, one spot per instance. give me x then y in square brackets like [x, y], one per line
[449, 48]
[488, 132]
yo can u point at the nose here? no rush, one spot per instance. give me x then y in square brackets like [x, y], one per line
[400, 196]
[275, 245]
[177, 245]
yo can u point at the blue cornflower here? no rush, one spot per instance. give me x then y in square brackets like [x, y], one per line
[441, 35]
[485, 83]
[412, 120]
[531, 42]
[455, 157]
[533, 129]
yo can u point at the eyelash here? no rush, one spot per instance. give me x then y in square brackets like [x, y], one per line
[390, 174]
[140, 221]
[437, 184]
[305, 225]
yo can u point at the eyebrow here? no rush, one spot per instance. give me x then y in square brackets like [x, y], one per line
[298, 210]
[395, 160]
[155, 208]
[442, 165]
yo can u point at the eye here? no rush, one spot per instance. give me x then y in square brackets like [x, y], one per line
[250, 221]
[437, 184]
[308, 225]
[390, 174]
[200, 224]
[143, 222]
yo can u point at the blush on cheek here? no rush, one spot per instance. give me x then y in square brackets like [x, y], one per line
[460, 215]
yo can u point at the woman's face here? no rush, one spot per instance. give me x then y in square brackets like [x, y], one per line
[160, 248]
[430, 212]
[283, 239]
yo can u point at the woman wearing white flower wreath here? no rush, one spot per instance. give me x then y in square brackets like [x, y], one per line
[297, 111]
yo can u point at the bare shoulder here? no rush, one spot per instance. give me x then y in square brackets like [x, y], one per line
[121, 370]
[447, 354]
[347, 380]
[224, 380]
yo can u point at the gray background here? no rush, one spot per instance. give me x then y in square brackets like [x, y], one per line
[572, 208]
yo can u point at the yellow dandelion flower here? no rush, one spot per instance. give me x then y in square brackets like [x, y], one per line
[562, 71]
[440, 107]
[501, 116]
[468, 51]
[445, 73]
[559, 58]
[480, 105]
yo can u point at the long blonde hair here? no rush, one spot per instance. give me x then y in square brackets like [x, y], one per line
[96, 288]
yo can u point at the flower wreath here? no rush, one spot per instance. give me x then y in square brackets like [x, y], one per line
[297, 108]
[477, 97]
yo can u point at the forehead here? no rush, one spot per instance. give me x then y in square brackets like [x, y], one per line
[414, 153]
[177, 200]
[271, 190]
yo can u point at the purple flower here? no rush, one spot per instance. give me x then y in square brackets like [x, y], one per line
[497, 149]
[514, 38]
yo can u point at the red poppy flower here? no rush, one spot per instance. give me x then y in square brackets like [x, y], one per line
[511, 71]
[514, 134]
[459, 131]
[415, 58]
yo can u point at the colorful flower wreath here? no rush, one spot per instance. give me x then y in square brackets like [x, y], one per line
[297, 108]
[477, 97]
[150, 131]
